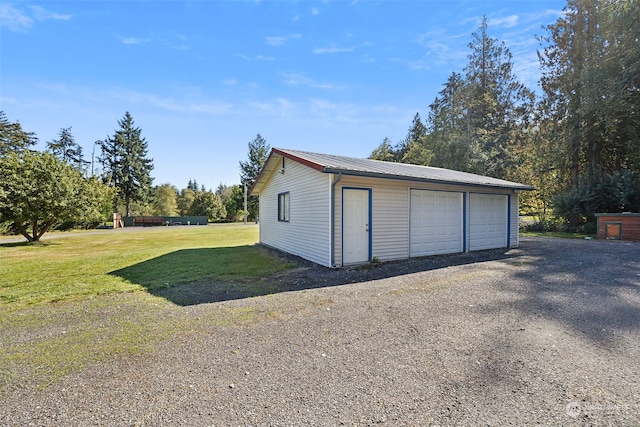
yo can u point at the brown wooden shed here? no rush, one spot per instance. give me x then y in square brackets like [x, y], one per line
[619, 226]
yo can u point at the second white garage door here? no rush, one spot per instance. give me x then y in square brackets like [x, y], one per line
[487, 221]
[435, 223]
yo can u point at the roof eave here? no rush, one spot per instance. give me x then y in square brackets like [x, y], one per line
[429, 180]
[258, 182]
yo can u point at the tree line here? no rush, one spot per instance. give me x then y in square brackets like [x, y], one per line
[578, 142]
[60, 189]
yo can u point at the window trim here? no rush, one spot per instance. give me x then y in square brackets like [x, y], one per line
[283, 211]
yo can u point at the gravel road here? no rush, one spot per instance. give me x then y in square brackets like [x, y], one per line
[545, 334]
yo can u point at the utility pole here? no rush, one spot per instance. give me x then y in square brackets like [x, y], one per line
[245, 203]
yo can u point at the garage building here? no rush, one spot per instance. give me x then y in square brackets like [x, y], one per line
[336, 210]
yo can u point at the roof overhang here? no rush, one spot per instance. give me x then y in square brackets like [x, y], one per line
[426, 180]
[273, 163]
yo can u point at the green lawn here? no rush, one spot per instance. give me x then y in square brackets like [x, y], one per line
[557, 234]
[88, 297]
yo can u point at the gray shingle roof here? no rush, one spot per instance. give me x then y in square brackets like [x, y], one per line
[329, 163]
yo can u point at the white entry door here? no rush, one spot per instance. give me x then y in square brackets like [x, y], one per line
[488, 221]
[435, 224]
[355, 226]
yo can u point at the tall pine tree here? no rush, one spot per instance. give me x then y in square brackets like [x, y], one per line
[479, 118]
[591, 105]
[126, 165]
[449, 128]
[414, 149]
[13, 138]
[249, 169]
[66, 149]
[499, 107]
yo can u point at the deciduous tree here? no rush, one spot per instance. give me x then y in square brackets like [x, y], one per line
[39, 192]
[209, 204]
[185, 200]
[165, 200]
[233, 200]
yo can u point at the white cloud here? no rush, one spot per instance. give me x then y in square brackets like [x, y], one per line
[256, 58]
[41, 14]
[133, 40]
[280, 40]
[190, 104]
[298, 79]
[315, 11]
[20, 20]
[506, 22]
[325, 50]
[279, 107]
[544, 13]
[441, 48]
[14, 19]
[367, 59]
[177, 46]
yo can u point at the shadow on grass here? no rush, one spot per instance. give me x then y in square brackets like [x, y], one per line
[198, 276]
[27, 243]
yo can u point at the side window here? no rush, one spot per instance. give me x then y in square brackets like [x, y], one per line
[283, 207]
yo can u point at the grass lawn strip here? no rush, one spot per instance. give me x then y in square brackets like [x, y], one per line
[66, 304]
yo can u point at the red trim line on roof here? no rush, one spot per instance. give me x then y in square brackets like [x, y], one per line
[305, 162]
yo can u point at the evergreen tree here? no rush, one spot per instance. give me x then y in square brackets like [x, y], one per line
[449, 130]
[591, 104]
[480, 118]
[13, 138]
[193, 185]
[258, 153]
[414, 148]
[384, 152]
[126, 165]
[499, 107]
[67, 150]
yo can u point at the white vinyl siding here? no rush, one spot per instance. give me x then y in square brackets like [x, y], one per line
[514, 211]
[389, 217]
[390, 214]
[307, 232]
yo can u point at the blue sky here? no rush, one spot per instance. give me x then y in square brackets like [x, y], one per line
[202, 78]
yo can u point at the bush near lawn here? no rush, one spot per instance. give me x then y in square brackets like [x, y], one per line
[89, 297]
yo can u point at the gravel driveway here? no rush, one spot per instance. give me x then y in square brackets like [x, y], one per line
[548, 334]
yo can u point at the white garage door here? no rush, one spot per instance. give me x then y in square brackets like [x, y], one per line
[487, 221]
[435, 224]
